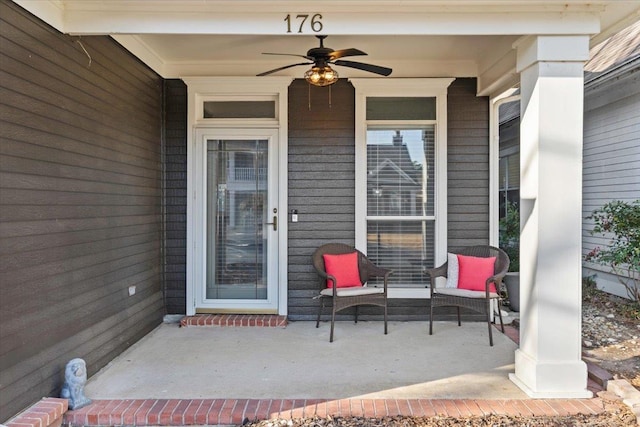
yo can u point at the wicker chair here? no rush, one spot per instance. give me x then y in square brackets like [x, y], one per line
[342, 298]
[479, 301]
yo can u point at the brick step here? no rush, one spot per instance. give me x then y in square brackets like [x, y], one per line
[235, 320]
[182, 412]
[47, 412]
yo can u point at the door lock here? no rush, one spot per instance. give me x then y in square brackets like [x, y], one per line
[274, 223]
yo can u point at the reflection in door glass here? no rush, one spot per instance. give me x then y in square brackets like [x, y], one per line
[236, 214]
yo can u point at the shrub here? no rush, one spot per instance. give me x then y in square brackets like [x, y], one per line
[509, 239]
[620, 222]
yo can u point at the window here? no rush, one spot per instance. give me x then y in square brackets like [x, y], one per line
[509, 178]
[400, 200]
[239, 109]
[401, 168]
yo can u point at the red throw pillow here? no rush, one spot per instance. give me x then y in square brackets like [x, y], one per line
[344, 268]
[474, 272]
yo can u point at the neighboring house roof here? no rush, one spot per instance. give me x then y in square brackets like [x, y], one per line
[393, 164]
[607, 59]
[614, 52]
[390, 173]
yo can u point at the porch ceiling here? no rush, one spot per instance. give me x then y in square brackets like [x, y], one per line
[417, 38]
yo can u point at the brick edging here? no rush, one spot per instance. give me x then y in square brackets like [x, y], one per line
[182, 412]
[237, 320]
[47, 412]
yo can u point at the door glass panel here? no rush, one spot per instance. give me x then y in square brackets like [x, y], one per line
[236, 214]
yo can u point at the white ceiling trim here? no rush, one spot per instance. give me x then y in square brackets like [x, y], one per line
[140, 49]
[401, 69]
[382, 6]
[500, 76]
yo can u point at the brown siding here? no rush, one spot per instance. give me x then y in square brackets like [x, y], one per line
[322, 180]
[468, 165]
[80, 218]
[176, 196]
[321, 170]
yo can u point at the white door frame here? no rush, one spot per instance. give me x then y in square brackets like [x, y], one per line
[202, 136]
[246, 88]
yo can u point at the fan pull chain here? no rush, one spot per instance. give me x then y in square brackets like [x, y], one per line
[309, 86]
[329, 97]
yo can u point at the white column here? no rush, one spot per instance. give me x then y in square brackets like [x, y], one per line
[548, 362]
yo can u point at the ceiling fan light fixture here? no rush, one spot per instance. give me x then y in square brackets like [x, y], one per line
[321, 76]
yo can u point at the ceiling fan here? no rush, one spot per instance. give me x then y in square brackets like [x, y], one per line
[321, 73]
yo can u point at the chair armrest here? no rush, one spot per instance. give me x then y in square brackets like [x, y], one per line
[495, 279]
[372, 270]
[437, 271]
[324, 277]
[375, 271]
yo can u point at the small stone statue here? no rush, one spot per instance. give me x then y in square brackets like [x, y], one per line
[75, 377]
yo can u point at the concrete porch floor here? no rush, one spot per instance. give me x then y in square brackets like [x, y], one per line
[298, 362]
[224, 375]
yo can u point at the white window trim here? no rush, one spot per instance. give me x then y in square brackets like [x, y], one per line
[237, 122]
[494, 162]
[411, 87]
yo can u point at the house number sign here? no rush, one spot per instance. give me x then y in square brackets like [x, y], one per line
[305, 22]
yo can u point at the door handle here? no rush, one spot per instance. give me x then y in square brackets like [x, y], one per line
[274, 223]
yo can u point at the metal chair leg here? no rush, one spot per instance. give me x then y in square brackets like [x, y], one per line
[385, 319]
[319, 312]
[333, 321]
[459, 322]
[356, 314]
[500, 316]
[488, 311]
[430, 318]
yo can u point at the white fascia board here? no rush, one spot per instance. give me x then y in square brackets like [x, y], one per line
[50, 11]
[133, 21]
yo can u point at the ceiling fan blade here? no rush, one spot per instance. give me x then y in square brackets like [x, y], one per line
[384, 71]
[290, 54]
[345, 52]
[266, 73]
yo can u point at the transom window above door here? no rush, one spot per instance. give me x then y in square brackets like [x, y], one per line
[401, 168]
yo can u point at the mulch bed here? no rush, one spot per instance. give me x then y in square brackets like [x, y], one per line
[616, 415]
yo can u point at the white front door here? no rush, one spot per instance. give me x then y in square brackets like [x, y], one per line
[236, 203]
